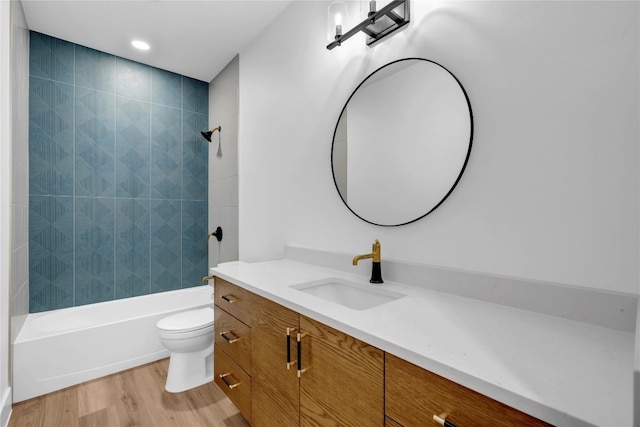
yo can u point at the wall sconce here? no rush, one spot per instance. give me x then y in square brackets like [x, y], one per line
[377, 25]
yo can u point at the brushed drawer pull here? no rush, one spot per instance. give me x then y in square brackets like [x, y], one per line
[225, 335]
[300, 370]
[223, 377]
[229, 298]
[441, 419]
[290, 363]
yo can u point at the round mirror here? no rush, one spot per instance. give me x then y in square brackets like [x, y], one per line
[402, 142]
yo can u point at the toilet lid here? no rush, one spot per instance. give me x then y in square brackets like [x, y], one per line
[187, 320]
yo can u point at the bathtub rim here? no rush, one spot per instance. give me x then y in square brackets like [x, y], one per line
[27, 333]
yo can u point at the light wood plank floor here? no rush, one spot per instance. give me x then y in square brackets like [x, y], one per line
[135, 397]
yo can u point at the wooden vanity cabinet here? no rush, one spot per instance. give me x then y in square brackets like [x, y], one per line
[342, 383]
[232, 344]
[413, 395]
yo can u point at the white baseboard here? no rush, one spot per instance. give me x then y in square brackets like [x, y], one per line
[5, 413]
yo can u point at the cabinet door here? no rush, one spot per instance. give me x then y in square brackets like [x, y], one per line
[342, 383]
[275, 395]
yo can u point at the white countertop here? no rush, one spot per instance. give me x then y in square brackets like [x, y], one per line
[565, 372]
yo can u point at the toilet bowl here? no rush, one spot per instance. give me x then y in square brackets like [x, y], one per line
[189, 338]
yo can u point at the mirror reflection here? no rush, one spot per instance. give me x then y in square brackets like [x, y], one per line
[402, 142]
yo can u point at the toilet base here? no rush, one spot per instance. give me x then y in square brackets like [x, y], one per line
[189, 370]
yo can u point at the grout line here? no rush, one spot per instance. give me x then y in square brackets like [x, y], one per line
[181, 175]
[73, 184]
[115, 167]
[150, 172]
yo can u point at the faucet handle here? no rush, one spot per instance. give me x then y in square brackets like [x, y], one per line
[376, 251]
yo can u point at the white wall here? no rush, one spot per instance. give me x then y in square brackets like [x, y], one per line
[14, 183]
[551, 191]
[19, 289]
[5, 208]
[223, 164]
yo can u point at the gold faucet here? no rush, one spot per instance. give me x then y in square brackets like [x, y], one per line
[375, 254]
[376, 271]
[205, 278]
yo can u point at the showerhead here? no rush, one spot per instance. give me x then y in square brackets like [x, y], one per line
[207, 134]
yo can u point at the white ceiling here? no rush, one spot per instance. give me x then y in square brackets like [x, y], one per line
[192, 38]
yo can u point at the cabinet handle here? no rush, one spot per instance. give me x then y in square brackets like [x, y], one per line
[225, 335]
[229, 298]
[223, 377]
[441, 419]
[289, 362]
[300, 370]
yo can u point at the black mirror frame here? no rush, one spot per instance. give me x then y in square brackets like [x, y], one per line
[464, 165]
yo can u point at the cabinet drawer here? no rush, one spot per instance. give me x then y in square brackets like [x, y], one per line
[233, 380]
[233, 299]
[234, 338]
[413, 395]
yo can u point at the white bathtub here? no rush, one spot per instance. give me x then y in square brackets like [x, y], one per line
[60, 348]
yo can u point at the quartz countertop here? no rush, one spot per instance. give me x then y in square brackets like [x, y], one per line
[565, 372]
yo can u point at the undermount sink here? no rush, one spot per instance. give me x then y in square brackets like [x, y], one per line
[349, 294]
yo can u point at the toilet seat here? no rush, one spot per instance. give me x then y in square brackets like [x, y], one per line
[187, 321]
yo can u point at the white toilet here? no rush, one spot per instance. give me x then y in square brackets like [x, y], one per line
[189, 337]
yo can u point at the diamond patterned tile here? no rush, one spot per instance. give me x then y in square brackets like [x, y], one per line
[166, 153]
[132, 242]
[132, 148]
[50, 252]
[118, 177]
[194, 242]
[95, 143]
[166, 249]
[95, 69]
[195, 157]
[94, 250]
[50, 137]
[167, 88]
[133, 80]
[195, 95]
[51, 58]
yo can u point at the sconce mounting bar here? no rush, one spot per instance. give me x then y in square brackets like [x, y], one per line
[379, 25]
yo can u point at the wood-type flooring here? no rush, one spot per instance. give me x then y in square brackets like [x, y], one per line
[132, 398]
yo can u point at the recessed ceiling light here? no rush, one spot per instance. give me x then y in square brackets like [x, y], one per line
[139, 44]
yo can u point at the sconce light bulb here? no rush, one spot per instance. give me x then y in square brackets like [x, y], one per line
[372, 7]
[337, 17]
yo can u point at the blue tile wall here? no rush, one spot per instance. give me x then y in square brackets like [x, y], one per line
[133, 228]
[166, 248]
[166, 152]
[51, 251]
[51, 132]
[117, 177]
